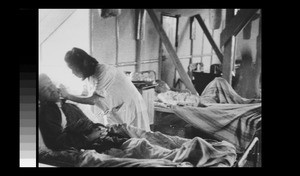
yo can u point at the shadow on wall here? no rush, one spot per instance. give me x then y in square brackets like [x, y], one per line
[247, 85]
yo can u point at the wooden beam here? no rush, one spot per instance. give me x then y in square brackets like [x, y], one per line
[237, 24]
[192, 37]
[117, 39]
[160, 56]
[258, 46]
[139, 44]
[184, 76]
[140, 23]
[258, 61]
[140, 27]
[177, 29]
[209, 37]
[227, 64]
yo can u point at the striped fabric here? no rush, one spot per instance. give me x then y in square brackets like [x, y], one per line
[227, 116]
[235, 123]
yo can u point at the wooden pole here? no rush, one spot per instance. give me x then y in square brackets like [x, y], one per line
[184, 76]
[202, 47]
[117, 40]
[258, 61]
[236, 24]
[209, 37]
[227, 65]
[160, 56]
[192, 37]
[212, 51]
[176, 45]
[140, 36]
[139, 44]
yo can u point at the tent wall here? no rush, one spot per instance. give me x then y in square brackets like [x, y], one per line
[98, 36]
[103, 41]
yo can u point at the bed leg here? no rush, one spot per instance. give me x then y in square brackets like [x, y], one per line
[242, 160]
[255, 153]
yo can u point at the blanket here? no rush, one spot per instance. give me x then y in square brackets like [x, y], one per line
[148, 149]
[154, 149]
[220, 91]
[178, 98]
[235, 123]
[225, 116]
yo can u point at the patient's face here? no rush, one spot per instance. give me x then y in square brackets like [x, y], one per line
[49, 90]
[96, 133]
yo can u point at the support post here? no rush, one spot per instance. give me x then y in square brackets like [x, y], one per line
[117, 39]
[192, 38]
[184, 76]
[209, 37]
[140, 13]
[160, 57]
[258, 61]
[236, 24]
[227, 64]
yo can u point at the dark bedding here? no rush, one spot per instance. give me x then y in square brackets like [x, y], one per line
[64, 158]
[149, 149]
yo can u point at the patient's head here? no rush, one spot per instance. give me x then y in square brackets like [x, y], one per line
[47, 90]
[161, 86]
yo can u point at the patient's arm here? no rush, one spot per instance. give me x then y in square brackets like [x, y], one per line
[63, 140]
[82, 99]
[52, 131]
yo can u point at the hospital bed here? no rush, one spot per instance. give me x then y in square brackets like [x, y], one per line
[160, 150]
[167, 121]
[251, 151]
[90, 158]
[225, 116]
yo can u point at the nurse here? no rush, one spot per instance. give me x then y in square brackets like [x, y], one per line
[111, 90]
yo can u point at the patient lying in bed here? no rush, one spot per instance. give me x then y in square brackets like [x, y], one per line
[227, 116]
[150, 149]
[218, 91]
[64, 126]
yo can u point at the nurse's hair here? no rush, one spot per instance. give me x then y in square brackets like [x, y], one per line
[82, 61]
